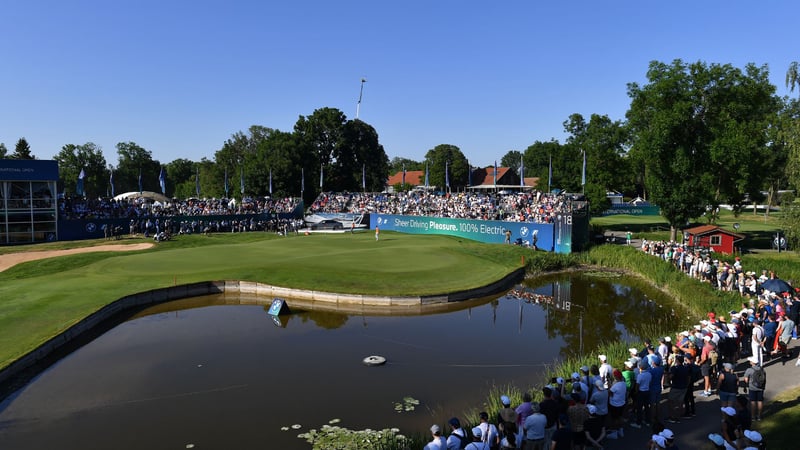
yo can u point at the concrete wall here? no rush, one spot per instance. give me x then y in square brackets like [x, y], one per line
[20, 371]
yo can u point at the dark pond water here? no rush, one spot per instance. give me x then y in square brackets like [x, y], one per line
[216, 375]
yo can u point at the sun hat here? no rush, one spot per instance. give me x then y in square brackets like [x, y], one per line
[728, 410]
[667, 433]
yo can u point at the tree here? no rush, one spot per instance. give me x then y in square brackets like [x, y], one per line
[397, 163]
[3, 150]
[22, 150]
[133, 162]
[361, 162]
[320, 137]
[238, 157]
[538, 157]
[793, 76]
[512, 159]
[446, 156]
[604, 142]
[701, 131]
[180, 174]
[790, 222]
[72, 159]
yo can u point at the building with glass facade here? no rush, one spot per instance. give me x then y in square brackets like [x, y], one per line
[28, 201]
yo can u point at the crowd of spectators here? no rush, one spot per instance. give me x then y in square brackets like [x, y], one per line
[535, 207]
[141, 208]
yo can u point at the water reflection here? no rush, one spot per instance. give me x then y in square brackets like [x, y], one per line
[218, 372]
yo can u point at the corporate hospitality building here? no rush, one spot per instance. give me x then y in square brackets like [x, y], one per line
[28, 201]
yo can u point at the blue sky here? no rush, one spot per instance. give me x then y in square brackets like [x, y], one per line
[180, 77]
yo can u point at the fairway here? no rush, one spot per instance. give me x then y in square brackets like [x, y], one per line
[43, 298]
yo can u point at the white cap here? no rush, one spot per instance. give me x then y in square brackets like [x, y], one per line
[602, 357]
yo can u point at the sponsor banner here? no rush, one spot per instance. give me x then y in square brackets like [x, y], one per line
[490, 231]
[28, 170]
[633, 210]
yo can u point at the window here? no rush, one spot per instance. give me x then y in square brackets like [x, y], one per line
[715, 240]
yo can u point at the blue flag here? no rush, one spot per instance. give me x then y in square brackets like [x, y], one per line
[426, 174]
[364, 177]
[197, 182]
[162, 181]
[140, 180]
[270, 182]
[225, 185]
[583, 171]
[111, 181]
[521, 172]
[404, 174]
[79, 188]
[495, 173]
[321, 175]
[302, 181]
[447, 173]
[241, 180]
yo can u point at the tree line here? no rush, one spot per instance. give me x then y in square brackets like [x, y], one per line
[696, 135]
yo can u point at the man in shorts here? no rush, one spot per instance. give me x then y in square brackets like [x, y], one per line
[755, 391]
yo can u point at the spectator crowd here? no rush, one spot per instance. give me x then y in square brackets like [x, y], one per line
[721, 358]
[535, 207]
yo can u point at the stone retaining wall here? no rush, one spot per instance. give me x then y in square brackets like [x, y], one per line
[300, 298]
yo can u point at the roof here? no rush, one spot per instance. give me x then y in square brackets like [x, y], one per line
[413, 177]
[155, 196]
[487, 176]
[702, 230]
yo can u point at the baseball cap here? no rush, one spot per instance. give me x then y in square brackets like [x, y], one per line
[729, 410]
[602, 357]
[633, 350]
[753, 435]
[435, 429]
[575, 376]
[477, 431]
[505, 400]
[667, 433]
[716, 439]
[753, 359]
[659, 440]
[585, 369]
[592, 409]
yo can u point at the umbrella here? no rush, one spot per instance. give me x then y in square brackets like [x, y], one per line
[777, 285]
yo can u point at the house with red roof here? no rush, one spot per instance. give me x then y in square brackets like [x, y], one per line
[713, 237]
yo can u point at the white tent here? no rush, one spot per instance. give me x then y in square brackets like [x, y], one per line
[154, 196]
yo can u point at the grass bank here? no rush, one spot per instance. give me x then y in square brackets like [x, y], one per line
[43, 298]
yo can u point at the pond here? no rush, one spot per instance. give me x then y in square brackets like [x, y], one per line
[211, 373]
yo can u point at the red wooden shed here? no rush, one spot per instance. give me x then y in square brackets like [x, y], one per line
[713, 237]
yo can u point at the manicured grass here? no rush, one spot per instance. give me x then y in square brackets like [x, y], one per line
[782, 416]
[42, 298]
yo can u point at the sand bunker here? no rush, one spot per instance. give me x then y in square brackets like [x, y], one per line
[12, 259]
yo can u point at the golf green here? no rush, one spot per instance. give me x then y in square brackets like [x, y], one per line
[43, 298]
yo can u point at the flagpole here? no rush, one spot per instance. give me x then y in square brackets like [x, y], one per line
[550, 175]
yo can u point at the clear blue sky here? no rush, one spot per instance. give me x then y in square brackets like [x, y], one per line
[180, 77]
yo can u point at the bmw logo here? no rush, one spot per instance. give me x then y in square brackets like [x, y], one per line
[91, 227]
[523, 231]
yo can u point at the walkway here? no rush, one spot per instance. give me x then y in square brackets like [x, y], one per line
[693, 433]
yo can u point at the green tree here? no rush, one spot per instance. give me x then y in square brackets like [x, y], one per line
[667, 130]
[538, 157]
[604, 142]
[512, 159]
[791, 129]
[700, 129]
[22, 150]
[238, 157]
[446, 156]
[360, 156]
[320, 137]
[793, 76]
[180, 178]
[397, 163]
[790, 222]
[3, 150]
[133, 162]
[89, 158]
